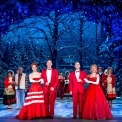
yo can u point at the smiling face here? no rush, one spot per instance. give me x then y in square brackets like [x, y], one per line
[49, 64]
[77, 65]
[9, 74]
[93, 69]
[34, 68]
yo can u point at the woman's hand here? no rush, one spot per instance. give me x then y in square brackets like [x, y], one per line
[86, 80]
[9, 86]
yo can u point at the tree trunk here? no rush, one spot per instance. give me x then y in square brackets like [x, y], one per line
[81, 41]
[55, 39]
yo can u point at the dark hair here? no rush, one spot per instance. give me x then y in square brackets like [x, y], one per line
[10, 73]
[34, 63]
[77, 62]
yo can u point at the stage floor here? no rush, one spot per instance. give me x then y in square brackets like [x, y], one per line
[63, 112]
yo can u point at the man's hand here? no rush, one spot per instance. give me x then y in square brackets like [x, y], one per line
[79, 80]
[52, 89]
[47, 84]
[16, 84]
[9, 86]
[71, 92]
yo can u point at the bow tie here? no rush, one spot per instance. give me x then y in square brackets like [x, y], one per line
[77, 71]
[48, 69]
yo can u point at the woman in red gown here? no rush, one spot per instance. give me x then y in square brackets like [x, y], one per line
[34, 102]
[9, 92]
[95, 105]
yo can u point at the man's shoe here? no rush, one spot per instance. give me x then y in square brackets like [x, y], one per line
[51, 117]
[47, 117]
[74, 117]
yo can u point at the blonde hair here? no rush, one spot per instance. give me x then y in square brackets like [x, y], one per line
[109, 69]
[93, 65]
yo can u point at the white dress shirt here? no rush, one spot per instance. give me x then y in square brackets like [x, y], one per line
[77, 74]
[48, 73]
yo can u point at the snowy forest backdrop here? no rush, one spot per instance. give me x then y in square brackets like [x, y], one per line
[89, 31]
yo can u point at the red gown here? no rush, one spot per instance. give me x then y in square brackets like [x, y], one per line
[34, 103]
[95, 105]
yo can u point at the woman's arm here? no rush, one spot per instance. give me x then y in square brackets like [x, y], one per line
[97, 81]
[113, 81]
[32, 80]
[6, 82]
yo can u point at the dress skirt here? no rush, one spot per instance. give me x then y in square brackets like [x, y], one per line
[34, 103]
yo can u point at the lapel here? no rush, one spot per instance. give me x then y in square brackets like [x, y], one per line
[75, 76]
[80, 75]
[51, 75]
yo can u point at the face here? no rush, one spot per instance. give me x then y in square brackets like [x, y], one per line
[9, 74]
[93, 69]
[110, 71]
[61, 73]
[49, 63]
[77, 65]
[34, 68]
[20, 70]
[99, 69]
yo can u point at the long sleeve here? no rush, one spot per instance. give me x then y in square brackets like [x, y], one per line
[6, 82]
[85, 76]
[43, 78]
[113, 81]
[104, 83]
[56, 79]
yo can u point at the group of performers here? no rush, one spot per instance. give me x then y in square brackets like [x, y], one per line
[89, 103]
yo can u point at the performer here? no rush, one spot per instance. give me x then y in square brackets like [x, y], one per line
[66, 86]
[101, 74]
[20, 85]
[109, 81]
[77, 89]
[9, 93]
[50, 77]
[61, 85]
[95, 106]
[34, 102]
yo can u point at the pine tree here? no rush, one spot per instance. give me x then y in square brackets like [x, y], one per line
[15, 59]
[31, 56]
[3, 66]
[22, 52]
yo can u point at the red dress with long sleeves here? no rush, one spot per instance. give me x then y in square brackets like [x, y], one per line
[9, 93]
[109, 83]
